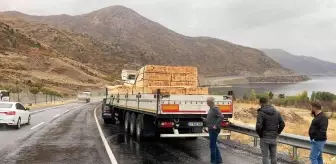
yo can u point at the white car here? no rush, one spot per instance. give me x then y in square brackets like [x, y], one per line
[14, 114]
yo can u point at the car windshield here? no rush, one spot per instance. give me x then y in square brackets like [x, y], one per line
[6, 105]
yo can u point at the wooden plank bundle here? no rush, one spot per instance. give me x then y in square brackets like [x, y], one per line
[172, 76]
[197, 91]
[169, 79]
[168, 69]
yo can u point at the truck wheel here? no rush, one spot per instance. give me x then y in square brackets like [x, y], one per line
[109, 121]
[121, 117]
[127, 122]
[132, 124]
[139, 127]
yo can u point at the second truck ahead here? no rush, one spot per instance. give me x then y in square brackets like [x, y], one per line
[4, 95]
[163, 115]
[84, 96]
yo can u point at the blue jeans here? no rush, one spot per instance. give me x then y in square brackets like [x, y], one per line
[216, 157]
[316, 152]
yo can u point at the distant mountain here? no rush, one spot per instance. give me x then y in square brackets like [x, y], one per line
[301, 64]
[141, 41]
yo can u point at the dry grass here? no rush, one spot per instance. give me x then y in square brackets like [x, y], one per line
[34, 55]
[297, 122]
[45, 105]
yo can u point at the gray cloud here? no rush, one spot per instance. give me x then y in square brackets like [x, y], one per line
[303, 27]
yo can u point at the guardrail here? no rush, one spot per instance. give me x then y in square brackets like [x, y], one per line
[295, 141]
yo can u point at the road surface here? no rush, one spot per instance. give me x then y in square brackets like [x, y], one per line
[61, 135]
[68, 134]
[128, 150]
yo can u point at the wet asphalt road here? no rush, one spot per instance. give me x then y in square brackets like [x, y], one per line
[128, 150]
[70, 138]
[69, 135]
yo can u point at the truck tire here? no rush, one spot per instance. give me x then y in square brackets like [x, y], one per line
[139, 127]
[109, 121]
[121, 117]
[127, 122]
[132, 124]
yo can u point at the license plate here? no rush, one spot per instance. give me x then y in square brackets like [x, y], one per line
[195, 123]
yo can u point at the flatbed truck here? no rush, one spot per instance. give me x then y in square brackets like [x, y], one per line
[4, 95]
[84, 97]
[162, 115]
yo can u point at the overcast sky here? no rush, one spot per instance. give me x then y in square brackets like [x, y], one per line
[302, 27]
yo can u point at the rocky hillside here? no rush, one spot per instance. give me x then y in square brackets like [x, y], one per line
[29, 52]
[301, 64]
[127, 39]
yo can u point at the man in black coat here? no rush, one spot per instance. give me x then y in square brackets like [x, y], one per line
[318, 133]
[269, 125]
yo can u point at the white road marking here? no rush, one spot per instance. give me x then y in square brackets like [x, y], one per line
[37, 125]
[107, 146]
[57, 115]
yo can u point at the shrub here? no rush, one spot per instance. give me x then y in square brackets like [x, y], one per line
[253, 95]
[263, 95]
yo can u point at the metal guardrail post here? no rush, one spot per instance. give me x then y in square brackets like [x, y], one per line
[255, 141]
[295, 153]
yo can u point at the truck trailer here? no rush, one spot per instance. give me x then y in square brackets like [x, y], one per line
[162, 115]
[164, 101]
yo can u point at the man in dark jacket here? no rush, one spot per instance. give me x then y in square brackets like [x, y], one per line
[318, 133]
[213, 121]
[269, 125]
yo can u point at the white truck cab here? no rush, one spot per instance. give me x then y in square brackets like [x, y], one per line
[129, 76]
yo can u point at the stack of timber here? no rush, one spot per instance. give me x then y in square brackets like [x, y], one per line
[169, 79]
[167, 76]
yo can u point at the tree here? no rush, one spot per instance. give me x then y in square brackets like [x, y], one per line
[46, 92]
[270, 95]
[303, 96]
[325, 96]
[313, 96]
[282, 96]
[34, 91]
[253, 95]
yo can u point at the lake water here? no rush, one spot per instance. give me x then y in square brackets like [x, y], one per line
[316, 84]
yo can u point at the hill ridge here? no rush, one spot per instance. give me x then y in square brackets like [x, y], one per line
[301, 64]
[148, 42]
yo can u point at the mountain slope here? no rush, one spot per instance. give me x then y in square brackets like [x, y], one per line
[301, 64]
[148, 42]
[27, 55]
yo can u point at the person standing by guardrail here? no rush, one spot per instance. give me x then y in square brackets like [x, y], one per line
[269, 126]
[318, 133]
[213, 121]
